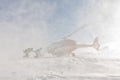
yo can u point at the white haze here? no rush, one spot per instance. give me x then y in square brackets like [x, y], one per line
[100, 17]
[37, 23]
[28, 27]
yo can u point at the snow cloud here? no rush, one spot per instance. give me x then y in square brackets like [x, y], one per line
[102, 20]
[24, 24]
[36, 23]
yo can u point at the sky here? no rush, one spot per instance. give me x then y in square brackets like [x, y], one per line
[37, 23]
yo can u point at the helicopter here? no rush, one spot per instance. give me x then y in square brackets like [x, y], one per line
[64, 47]
[67, 46]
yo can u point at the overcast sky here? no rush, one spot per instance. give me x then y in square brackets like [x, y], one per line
[36, 23]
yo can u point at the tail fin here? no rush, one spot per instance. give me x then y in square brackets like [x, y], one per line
[96, 44]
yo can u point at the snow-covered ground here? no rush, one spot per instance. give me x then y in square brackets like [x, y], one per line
[38, 23]
[60, 68]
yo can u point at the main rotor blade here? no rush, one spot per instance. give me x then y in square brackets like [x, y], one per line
[80, 28]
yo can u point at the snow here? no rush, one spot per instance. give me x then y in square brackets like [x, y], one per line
[60, 68]
[101, 19]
